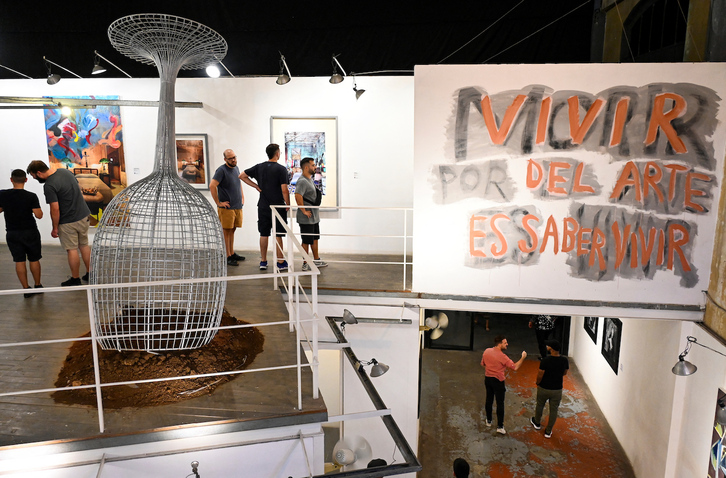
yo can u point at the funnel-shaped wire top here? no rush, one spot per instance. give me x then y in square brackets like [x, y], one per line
[155, 38]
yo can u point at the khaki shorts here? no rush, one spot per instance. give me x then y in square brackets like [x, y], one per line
[73, 234]
[230, 218]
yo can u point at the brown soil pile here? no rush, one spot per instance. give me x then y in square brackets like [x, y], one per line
[231, 349]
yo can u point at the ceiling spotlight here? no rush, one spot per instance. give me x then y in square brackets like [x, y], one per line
[213, 71]
[195, 468]
[348, 318]
[684, 367]
[358, 92]
[66, 110]
[284, 77]
[54, 78]
[721, 413]
[378, 369]
[337, 77]
[97, 68]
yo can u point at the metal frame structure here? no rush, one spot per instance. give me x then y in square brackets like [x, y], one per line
[160, 228]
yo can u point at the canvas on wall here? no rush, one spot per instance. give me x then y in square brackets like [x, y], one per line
[588, 182]
[89, 143]
[590, 324]
[612, 332]
[717, 457]
[315, 138]
[192, 157]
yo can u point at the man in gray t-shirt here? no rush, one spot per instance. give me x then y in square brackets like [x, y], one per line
[308, 218]
[69, 213]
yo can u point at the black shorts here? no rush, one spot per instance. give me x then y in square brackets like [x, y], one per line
[313, 230]
[264, 221]
[25, 243]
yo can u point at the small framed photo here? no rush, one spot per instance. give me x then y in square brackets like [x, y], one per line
[612, 332]
[591, 327]
[192, 158]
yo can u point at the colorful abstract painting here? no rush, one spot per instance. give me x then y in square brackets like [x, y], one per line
[89, 143]
[717, 458]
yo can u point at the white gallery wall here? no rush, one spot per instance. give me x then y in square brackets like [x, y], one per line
[375, 137]
[663, 422]
[396, 345]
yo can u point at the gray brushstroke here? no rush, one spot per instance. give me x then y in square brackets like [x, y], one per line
[489, 180]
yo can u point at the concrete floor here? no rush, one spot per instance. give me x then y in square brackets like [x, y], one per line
[453, 417]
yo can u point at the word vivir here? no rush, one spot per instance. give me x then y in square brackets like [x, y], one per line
[661, 245]
[655, 120]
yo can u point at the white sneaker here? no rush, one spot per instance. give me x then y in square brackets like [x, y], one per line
[489, 423]
[501, 431]
[320, 263]
[306, 267]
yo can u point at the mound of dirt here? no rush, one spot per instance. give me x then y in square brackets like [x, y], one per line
[231, 349]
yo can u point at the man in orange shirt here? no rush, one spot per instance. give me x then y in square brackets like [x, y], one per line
[496, 362]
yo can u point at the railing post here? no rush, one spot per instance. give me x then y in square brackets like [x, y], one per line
[96, 368]
[291, 256]
[405, 245]
[274, 247]
[297, 347]
[316, 378]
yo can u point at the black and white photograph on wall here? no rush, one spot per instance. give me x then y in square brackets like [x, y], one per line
[611, 333]
[591, 327]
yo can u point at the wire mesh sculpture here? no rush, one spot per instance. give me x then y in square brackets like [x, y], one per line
[160, 228]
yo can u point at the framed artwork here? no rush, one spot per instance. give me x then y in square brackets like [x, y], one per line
[313, 137]
[88, 142]
[591, 327]
[192, 158]
[612, 331]
[717, 456]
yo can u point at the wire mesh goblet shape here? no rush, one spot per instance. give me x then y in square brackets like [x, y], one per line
[160, 228]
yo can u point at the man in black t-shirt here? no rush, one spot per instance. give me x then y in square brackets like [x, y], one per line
[271, 183]
[552, 370]
[23, 237]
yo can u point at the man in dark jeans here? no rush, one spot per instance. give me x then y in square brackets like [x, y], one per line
[496, 362]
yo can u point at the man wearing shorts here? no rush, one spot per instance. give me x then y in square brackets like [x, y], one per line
[69, 213]
[308, 218]
[272, 185]
[23, 237]
[228, 196]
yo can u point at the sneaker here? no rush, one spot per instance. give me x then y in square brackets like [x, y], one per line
[71, 281]
[263, 265]
[237, 257]
[85, 277]
[28, 296]
[489, 423]
[534, 424]
[320, 263]
[501, 431]
[306, 267]
[282, 266]
[548, 434]
[231, 261]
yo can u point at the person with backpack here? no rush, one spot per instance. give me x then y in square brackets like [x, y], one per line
[306, 194]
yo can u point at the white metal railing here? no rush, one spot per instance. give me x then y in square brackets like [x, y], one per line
[294, 322]
[404, 237]
[290, 281]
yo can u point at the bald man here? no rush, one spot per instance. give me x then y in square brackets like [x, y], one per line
[227, 193]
